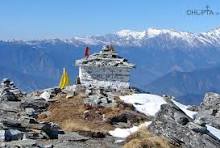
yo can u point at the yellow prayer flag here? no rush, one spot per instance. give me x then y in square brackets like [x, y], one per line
[64, 80]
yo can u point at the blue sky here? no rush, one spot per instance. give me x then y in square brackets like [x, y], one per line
[40, 19]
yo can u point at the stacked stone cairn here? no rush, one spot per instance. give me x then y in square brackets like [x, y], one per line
[18, 113]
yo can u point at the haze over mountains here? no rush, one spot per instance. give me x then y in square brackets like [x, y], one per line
[177, 63]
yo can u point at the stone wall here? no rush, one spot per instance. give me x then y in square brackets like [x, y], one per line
[113, 77]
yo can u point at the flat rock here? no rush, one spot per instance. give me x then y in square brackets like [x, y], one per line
[27, 143]
[10, 106]
[73, 136]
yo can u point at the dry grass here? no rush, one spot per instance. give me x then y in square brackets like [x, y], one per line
[69, 114]
[81, 125]
[144, 139]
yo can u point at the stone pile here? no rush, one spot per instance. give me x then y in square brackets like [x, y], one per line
[96, 100]
[18, 114]
[19, 126]
[99, 98]
[8, 91]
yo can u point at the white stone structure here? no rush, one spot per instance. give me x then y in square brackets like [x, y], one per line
[105, 69]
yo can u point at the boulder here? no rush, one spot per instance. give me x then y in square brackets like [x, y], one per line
[13, 134]
[181, 133]
[52, 130]
[209, 110]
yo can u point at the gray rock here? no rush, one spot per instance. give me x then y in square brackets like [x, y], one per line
[97, 100]
[184, 135]
[10, 106]
[80, 89]
[13, 134]
[11, 123]
[72, 136]
[52, 130]
[104, 100]
[70, 94]
[37, 104]
[9, 92]
[36, 134]
[107, 142]
[197, 128]
[2, 135]
[88, 92]
[46, 95]
[181, 118]
[27, 143]
[8, 96]
[27, 121]
[193, 108]
[30, 111]
[128, 117]
[47, 146]
[209, 110]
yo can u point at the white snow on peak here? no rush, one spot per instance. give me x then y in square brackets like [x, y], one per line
[167, 37]
[145, 103]
[213, 32]
[189, 113]
[129, 33]
[152, 32]
[138, 36]
[86, 40]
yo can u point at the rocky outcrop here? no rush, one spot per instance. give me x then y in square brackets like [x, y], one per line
[19, 125]
[209, 110]
[18, 113]
[179, 129]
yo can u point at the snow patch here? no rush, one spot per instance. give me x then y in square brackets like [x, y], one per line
[214, 131]
[145, 103]
[123, 133]
[189, 113]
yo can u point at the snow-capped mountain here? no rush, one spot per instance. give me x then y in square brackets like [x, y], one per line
[155, 52]
[150, 37]
[146, 38]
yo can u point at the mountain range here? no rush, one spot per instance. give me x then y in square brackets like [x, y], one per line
[183, 64]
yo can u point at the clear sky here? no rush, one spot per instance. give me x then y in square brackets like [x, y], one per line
[40, 19]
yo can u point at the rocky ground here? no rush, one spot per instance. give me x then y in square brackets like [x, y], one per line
[82, 117]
